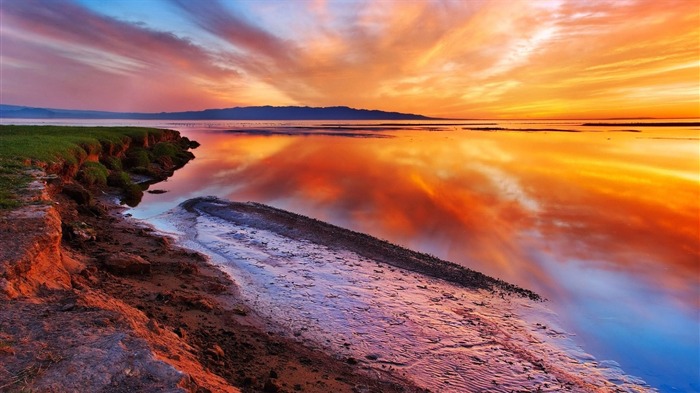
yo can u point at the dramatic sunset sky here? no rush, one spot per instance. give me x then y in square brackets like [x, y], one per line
[501, 58]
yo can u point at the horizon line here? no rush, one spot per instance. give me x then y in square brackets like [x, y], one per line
[357, 109]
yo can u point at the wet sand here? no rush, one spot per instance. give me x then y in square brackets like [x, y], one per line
[177, 326]
[435, 324]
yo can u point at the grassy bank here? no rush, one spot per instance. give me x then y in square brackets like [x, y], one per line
[95, 156]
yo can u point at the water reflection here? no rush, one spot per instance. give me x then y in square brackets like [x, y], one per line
[604, 224]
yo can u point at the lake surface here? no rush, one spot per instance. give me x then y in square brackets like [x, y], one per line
[604, 222]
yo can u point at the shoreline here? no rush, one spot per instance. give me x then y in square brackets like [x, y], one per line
[296, 226]
[372, 302]
[194, 331]
[181, 316]
[95, 300]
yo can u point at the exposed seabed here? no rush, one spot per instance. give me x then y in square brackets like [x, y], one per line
[440, 335]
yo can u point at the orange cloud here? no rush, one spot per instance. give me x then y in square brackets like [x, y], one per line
[553, 58]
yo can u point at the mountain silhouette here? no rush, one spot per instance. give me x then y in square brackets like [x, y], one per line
[238, 113]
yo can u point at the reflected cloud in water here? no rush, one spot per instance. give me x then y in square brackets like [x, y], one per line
[603, 224]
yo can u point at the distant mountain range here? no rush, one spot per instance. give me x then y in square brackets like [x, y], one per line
[238, 113]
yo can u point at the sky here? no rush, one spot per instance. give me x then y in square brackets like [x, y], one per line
[457, 59]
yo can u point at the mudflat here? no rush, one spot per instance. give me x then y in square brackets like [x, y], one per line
[177, 323]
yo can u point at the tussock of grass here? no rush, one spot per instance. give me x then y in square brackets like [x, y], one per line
[132, 194]
[112, 163]
[165, 149]
[138, 157]
[171, 153]
[93, 174]
[118, 179]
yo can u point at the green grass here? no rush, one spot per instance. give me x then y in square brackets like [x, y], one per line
[12, 181]
[53, 143]
[165, 149]
[112, 163]
[93, 174]
[138, 157]
[22, 147]
[118, 179]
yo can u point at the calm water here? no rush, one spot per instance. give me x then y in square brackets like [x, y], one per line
[604, 223]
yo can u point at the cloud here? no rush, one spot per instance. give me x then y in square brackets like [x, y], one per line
[554, 58]
[213, 17]
[74, 51]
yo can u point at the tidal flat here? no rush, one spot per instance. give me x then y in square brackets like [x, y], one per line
[600, 222]
[361, 299]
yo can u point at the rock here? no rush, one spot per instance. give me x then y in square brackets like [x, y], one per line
[240, 311]
[124, 263]
[270, 387]
[77, 193]
[216, 352]
[217, 288]
[196, 301]
[182, 333]
[153, 326]
[78, 231]
[273, 373]
[193, 144]
[187, 268]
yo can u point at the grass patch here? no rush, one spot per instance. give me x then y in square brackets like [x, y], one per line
[165, 149]
[132, 194]
[54, 143]
[138, 157]
[112, 163]
[118, 179]
[93, 174]
[24, 146]
[12, 181]
[169, 154]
